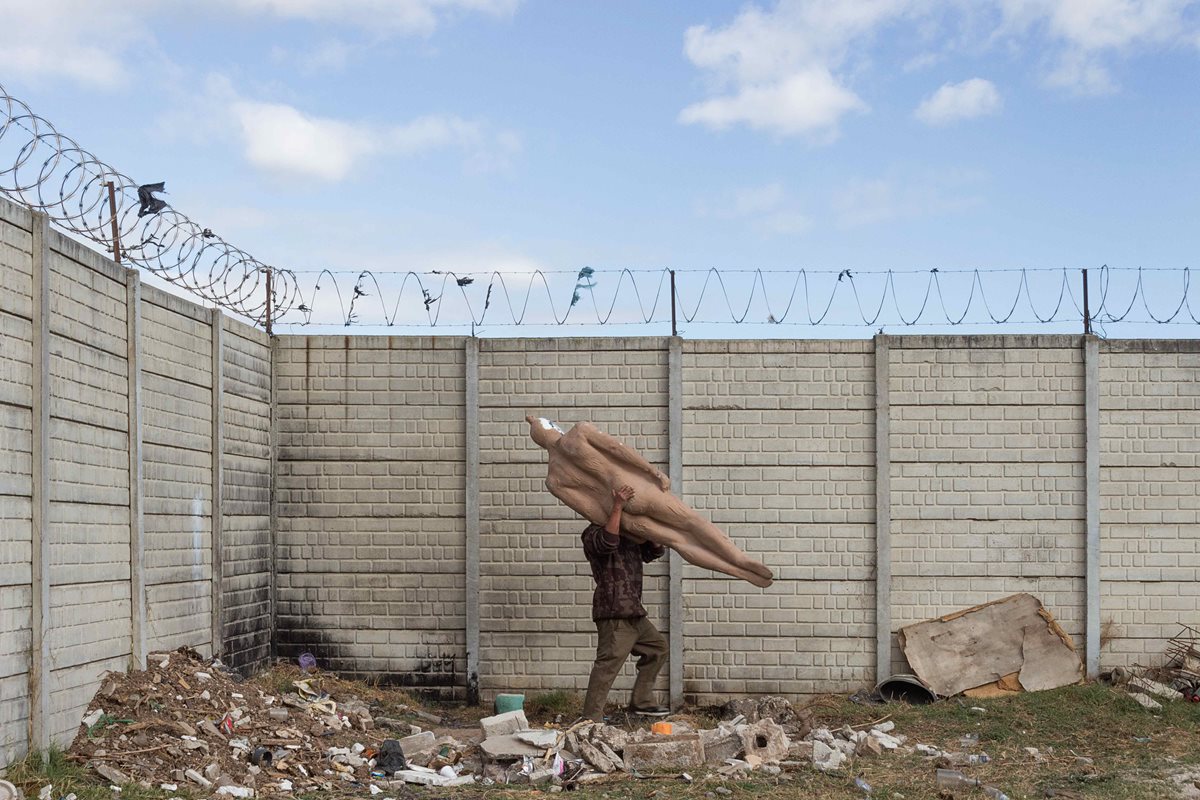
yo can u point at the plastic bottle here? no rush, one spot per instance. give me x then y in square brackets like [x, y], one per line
[953, 779]
[994, 793]
[865, 787]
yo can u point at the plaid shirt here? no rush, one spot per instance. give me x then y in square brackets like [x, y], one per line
[617, 569]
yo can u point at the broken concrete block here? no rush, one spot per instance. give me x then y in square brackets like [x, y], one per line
[507, 748]
[111, 774]
[664, 753]
[503, 724]
[764, 739]
[595, 756]
[611, 736]
[541, 738]
[800, 751]
[869, 746]
[611, 755]
[826, 758]
[1145, 702]
[887, 741]
[720, 745]
[418, 743]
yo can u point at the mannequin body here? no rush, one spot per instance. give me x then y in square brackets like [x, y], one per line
[587, 465]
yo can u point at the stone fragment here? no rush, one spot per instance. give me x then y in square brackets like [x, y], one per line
[503, 724]
[887, 741]
[417, 744]
[869, 746]
[664, 753]
[611, 736]
[826, 758]
[611, 755]
[111, 774]
[764, 739]
[544, 739]
[595, 756]
[800, 751]
[197, 778]
[1145, 702]
[720, 745]
[507, 748]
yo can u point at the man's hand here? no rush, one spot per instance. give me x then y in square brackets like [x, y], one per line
[622, 495]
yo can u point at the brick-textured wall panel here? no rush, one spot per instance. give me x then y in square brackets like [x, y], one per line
[536, 631]
[1150, 503]
[987, 478]
[176, 471]
[246, 500]
[16, 375]
[779, 452]
[88, 474]
[370, 502]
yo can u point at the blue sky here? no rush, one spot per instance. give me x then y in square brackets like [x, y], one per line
[516, 135]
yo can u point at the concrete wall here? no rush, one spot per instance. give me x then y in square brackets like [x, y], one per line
[986, 495]
[1150, 495]
[535, 592]
[408, 536]
[112, 459]
[371, 538]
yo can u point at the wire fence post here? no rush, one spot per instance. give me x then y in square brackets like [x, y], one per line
[267, 319]
[112, 212]
[1087, 314]
[674, 329]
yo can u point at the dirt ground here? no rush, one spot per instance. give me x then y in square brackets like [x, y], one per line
[1091, 741]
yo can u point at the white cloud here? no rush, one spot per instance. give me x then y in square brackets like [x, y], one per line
[82, 41]
[420, 17]
[810, 102]
[971, 98]
[1091, 31]
[283, 140]
[779, 68]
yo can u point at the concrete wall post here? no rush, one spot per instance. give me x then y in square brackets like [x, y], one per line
[471, 456]
[137, 571]
[1091, 381]
[675, 468]
[883, 514]
[39, 656]
[217, 325]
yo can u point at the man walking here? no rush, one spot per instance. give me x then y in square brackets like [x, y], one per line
[621, 621]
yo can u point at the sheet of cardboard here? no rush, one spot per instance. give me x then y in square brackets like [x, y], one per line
[989, 643]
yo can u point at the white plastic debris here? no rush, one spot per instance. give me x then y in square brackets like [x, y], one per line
[92, 718]
[236, 791]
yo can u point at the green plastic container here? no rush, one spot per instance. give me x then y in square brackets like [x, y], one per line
[509, 702]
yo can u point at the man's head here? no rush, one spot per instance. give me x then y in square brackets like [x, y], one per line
[543, 431]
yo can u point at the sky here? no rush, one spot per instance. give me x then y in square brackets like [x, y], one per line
[517, 136]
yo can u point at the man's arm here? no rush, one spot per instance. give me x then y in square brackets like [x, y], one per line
[614, 449]
[604, 540]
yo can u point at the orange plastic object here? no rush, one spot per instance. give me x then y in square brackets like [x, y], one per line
[661, 727]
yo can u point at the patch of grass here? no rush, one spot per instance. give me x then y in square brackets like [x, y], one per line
[67, 776]
[547, 705]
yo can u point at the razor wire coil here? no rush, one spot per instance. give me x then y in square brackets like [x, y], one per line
[51, 173]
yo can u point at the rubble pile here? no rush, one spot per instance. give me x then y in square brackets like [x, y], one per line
[186, 723]
[189, 725]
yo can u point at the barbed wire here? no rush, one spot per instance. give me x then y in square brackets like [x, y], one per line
[52, 173]
[906, 298]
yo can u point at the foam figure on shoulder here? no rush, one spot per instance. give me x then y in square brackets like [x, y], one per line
[587, 465]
